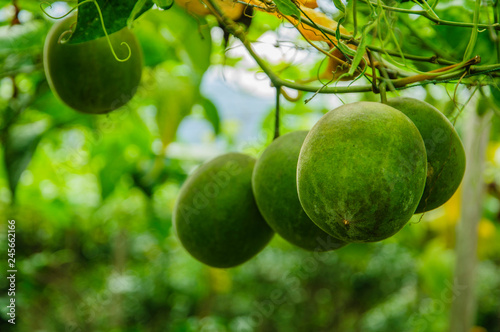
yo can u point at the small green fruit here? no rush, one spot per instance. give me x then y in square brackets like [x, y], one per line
[86, 76]
[215, 215]
[274, 184]
[445, 153]
[361, 172]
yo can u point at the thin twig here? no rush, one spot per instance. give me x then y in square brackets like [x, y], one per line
[440, 75]
[277, 113]
[438, 21]
[431, 59]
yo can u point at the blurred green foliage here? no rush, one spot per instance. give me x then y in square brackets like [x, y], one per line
[93, 197]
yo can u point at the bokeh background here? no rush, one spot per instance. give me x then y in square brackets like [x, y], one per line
[92, 197]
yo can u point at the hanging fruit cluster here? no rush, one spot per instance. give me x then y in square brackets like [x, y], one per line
[357, 176]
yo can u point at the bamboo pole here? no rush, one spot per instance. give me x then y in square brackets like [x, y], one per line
[463, 307]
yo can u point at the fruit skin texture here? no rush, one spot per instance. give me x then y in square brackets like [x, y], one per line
[86, 76]
[445, 152]
[216, 217]
[361, 172]
[274, 184]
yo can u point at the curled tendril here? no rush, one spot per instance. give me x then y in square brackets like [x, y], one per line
[291, 98]
[107, 36]
[129, 52]
[61, 40]
[60, 17]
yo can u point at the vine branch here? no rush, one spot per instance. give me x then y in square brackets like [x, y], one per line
[454, 71]
[434, 19]
[435, 59]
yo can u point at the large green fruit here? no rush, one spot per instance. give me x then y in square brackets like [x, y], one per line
[445, 153]
[361, 171]
[86, 76]
[216, 217]
[274, 184]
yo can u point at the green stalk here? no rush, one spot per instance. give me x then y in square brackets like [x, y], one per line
[473, 36]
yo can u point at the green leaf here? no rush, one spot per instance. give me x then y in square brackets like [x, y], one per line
[288, 8]
[28, 5]
[175, 99]
[114, 147]
[20, 46]
[339, 5]
[20, 145]
[191, 38]
[360, 52]
[495, 93]
[188, 37]
[136, 11]
[114, 168]
[114, 13]
[20, 38]
[155, 47]
[61, 114]
[211, 114]
[474, 33]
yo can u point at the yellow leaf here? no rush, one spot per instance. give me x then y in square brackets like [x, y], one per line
[309, 32]
[320, 19]
[231, 9]
[309, 3]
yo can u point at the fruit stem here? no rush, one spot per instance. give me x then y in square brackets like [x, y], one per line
[382, 89]
[277, 113]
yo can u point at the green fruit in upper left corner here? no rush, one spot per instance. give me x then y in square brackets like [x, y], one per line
[274, 184]
[216, 217]
[86, 76]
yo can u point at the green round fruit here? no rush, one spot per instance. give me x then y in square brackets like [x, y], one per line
[361, 172]
[274, 184]
[445, 153]
[86, 76]
[216, 217]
